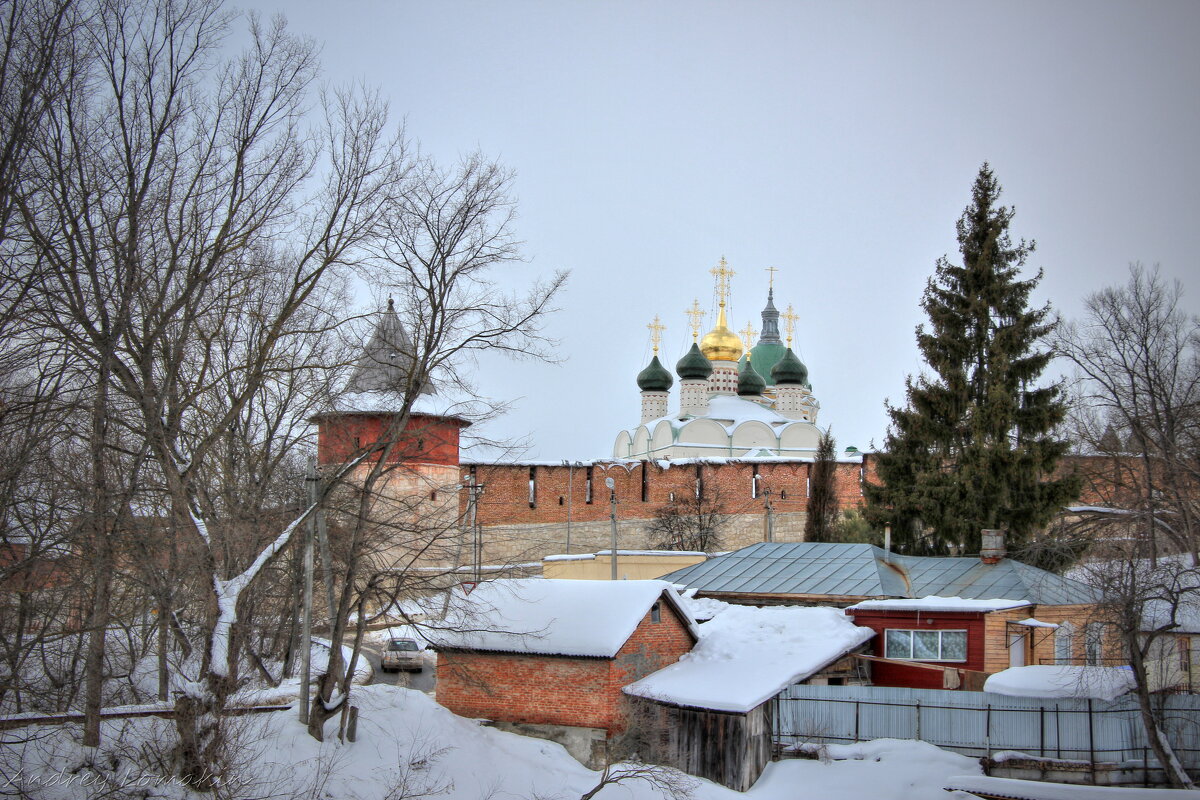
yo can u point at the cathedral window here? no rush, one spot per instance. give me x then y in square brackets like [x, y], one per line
[533, 487]
[754, 485]
[699, 482]
[645, 481]
[587, 487]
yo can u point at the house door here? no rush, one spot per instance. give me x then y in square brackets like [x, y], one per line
[1016, 649]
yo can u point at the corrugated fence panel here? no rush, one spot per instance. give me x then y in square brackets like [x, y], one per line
[979, 723]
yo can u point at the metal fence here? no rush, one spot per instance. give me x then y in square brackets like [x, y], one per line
[982, 723]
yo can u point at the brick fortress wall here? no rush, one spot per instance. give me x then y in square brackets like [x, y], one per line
[525, 510]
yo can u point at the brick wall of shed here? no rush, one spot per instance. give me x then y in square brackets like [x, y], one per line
[558, 690]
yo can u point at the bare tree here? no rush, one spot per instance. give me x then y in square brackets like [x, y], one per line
[1145, 602]
[1137, 357]
[689, 522]
[443, 245]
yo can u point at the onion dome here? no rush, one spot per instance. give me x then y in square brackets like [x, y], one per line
[655, 377]
[790, 371]
[750, 383]
[721, 344]
[693, 365]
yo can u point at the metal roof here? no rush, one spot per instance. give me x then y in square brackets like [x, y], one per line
[863, 570]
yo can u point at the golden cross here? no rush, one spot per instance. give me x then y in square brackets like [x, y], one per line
[695, 318]
[656, 329]
[722, 273]
[789, 322]
[748, 333]
[771, 279]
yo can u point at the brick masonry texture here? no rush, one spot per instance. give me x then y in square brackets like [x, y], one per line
[558, 690]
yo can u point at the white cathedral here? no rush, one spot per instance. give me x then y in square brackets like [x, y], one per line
[732, 402]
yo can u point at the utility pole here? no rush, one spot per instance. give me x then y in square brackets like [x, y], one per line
[570, 494]
[770, 515]
[473, 491]
[612, 514]
[310, 530]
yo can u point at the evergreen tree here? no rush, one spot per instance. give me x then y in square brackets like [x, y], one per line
[973, 448]
[822, 497]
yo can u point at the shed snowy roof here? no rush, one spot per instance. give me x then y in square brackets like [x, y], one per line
[1046, 680]
[866, 571]
[747, 655]
[935, 603]
[553, 617]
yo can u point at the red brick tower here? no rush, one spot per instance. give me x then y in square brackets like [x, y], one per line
[422, 467]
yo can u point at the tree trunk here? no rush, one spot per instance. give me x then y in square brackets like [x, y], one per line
[1174, 771]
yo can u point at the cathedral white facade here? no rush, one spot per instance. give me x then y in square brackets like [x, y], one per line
[731, 402]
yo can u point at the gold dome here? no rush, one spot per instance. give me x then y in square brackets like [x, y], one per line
[721, 344]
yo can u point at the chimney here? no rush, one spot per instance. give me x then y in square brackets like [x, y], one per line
[993, 546]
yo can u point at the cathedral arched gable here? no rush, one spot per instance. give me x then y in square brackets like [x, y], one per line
[663, 436]
[704, 431]
[800, 436]
[752, 434]
[641, 442]
[623, 448]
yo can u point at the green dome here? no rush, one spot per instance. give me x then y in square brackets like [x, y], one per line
[790, 371]
[750, 383]
[765, 356]
[655, 377]
[693, 365]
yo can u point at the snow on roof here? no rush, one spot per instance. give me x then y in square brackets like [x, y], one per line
[747, 655]
[1098, 510]
[1044, 680]
[552, 617]
[1041, 790]
[1030, 622]
[703, 608]
[935, 603]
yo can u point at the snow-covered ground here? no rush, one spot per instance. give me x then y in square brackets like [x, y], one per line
[406, 741]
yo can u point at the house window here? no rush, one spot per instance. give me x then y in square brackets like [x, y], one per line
[926, 645]
[533, 487]
[587, 487]
[1094, 643]
[1063, 644]
[656, 613]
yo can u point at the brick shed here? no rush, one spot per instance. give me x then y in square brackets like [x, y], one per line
[550, 657]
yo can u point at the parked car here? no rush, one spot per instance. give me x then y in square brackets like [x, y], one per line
[401, 654]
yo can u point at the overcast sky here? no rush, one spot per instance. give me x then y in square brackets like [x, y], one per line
[834, 141]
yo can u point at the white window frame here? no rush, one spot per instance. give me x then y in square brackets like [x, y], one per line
[1094, 644]
[888, 652]
[1064, 644]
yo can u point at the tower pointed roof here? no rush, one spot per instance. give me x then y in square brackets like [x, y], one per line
[770, 347]
[770, 321]
[388, 361]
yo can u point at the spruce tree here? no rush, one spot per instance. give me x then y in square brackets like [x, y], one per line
[973, 447]
[822, 497]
